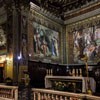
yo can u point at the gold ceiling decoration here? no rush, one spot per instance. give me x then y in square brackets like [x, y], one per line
[59, 7]
[56, 7]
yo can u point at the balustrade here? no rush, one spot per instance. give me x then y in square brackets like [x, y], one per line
[8, 92]
[44, 94]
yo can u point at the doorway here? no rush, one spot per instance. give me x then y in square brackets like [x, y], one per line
[1, 72]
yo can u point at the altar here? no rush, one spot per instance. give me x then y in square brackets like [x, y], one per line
[79, 82]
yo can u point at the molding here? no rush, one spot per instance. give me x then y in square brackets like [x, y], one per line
[45, 13]
[43, 20]
[82, 8]
[82, 17]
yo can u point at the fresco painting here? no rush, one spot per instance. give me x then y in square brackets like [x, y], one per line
[87, 42]
[45, 42]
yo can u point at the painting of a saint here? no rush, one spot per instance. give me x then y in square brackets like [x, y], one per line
[45, 42]
[86, 41]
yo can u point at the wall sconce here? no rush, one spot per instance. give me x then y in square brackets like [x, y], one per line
[19, 57]
[9, 57]
[2, 58]
[30, 55]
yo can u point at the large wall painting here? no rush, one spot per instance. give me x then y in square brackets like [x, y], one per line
[87, 42]
[45, 43]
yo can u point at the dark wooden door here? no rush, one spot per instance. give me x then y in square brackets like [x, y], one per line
[1, 74]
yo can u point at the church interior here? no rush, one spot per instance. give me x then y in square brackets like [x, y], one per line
[50, 49]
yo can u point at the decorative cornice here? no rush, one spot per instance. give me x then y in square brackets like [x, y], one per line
[45, 13]
[90, 22]
[84, 17]
[83, 11]
[36, 16]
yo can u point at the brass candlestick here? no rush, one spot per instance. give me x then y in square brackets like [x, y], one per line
[85, 59]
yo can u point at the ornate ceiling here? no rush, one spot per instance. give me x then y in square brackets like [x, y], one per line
[60, 7]
[56, 7]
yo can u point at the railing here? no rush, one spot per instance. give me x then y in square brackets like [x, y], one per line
[45, 94]
[8, 92]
